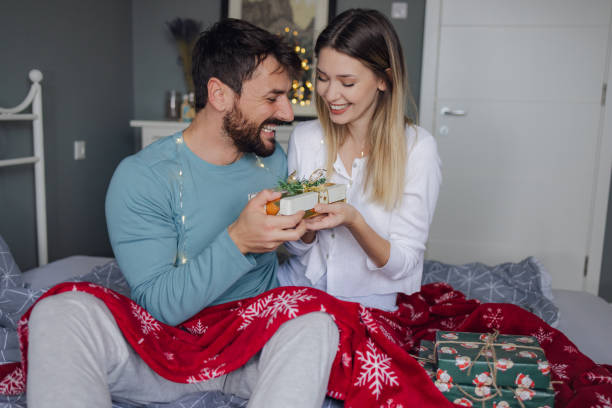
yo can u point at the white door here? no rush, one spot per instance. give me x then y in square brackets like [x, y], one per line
[516, 107]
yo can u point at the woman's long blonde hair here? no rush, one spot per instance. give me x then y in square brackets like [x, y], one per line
[368, 36]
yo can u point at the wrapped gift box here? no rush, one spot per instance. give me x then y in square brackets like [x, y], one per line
[482, 396]
[290, 204]
[476, 359]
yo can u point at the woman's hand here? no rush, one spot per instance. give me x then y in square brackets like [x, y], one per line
[332, 215]
[376, 247]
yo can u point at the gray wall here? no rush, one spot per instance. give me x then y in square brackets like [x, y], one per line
[84, 50]
[155, 58]
[410, 32]
[155, 62]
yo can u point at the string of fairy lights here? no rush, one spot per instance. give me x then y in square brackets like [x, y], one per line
[302, 88]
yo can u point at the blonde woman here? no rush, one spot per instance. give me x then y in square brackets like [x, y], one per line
[370, 248]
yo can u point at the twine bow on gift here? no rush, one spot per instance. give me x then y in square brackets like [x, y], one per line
[487, 348]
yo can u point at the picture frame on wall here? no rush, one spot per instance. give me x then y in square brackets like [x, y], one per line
[297, 21]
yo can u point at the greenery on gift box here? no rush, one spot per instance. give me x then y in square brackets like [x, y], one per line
[185, 32]
[294, 186]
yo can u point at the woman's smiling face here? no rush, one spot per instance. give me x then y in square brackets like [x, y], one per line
[347, 86]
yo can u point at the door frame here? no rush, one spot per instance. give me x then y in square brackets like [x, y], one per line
[602, 167]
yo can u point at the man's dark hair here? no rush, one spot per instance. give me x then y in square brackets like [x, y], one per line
[231, 50]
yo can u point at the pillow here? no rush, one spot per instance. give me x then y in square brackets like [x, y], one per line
[62, 270]
[9, 346]
[516, 283]
[16, 301]
[10, 279]
[10, 275]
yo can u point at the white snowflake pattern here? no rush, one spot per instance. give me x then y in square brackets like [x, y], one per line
[375, 372]
[104, 289]
[542, 335]
[198, 329]
[206, 374]
[408, 339]
[253, 311]
[8, 274]
[387, 334]
[336, 395]
[450, 323]
[169, 356]
[209, 359]
[23, 325]
[492, 318]
[287, 304]
[570, 349]
[13, 383]
[346, 359]
[559, 370]
[606, 401]
[323, 309]
[494, 287]
[413, 314]
[391, 404]
[148, 324]
[466, 278]
[392, 323]
[598, 379]
[367, 319]
[445, 297]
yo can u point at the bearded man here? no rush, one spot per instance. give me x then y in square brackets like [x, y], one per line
[186, 237]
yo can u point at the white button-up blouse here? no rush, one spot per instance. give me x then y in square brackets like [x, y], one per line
[335, 257]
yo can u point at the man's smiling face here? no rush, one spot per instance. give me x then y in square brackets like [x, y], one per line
[262, 105]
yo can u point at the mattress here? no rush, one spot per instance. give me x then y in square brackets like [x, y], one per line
[586, 320]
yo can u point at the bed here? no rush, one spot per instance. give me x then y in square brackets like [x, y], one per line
[584, 318]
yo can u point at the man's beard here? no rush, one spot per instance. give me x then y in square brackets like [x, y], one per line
[245, 134]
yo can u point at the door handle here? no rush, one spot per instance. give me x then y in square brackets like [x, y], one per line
[452, 112]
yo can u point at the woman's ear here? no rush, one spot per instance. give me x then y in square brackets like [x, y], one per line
[382, 84]
[220, 96]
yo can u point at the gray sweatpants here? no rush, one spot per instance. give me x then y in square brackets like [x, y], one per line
[78, 357]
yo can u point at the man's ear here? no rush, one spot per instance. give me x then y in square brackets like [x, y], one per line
[220, 96]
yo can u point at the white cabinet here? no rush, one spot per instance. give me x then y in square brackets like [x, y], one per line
[151, 130]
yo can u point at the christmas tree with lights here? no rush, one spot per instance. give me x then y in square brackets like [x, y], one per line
[302, 87]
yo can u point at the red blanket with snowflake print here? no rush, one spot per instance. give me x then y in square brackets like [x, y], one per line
[373, 367]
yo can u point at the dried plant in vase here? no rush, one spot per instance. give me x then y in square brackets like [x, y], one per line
[185, 32]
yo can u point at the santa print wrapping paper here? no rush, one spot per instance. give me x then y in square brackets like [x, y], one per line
[372, 367]
[481, 395]
[512, 360]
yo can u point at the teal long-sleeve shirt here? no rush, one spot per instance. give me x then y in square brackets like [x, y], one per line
[167, 213]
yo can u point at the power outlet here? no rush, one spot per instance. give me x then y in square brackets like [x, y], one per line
[399, 10]
[79, 150]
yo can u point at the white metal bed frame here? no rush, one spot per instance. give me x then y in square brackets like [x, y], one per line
[34, 98]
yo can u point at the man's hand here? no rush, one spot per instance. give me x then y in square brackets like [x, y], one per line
[256, 232]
